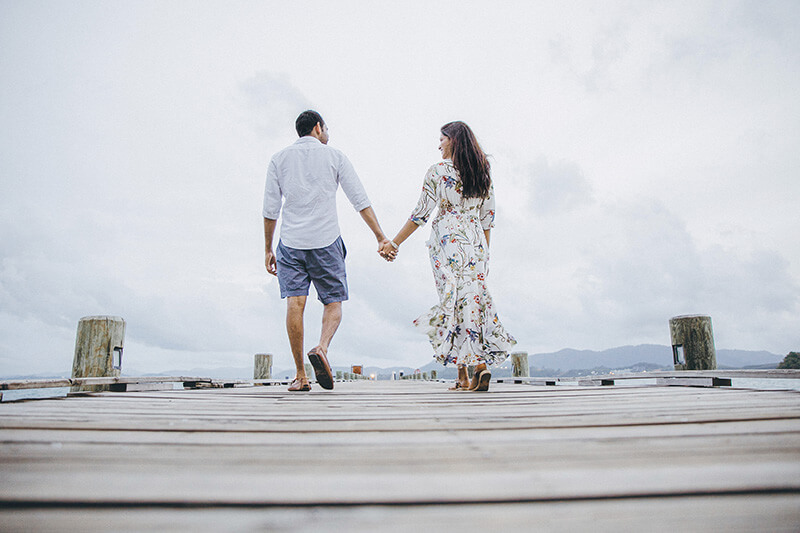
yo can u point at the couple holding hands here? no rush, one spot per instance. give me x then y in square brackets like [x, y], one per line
[302, 181]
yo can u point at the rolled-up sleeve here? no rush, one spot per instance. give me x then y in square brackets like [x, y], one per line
[487, 210]
[351, 185]
[427, 199]
[272, 193]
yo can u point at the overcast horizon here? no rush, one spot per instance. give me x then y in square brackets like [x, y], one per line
[644, 155]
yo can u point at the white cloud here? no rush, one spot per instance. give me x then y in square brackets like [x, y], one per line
[558, 187]
[269, 101]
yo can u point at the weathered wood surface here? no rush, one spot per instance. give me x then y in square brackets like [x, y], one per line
[99, 340]
[598, 379]
[16, 384]
[741, 514]
[564, 458]
[692, 337]
[188, 382]
[519, 364]
[262, 366]
[715, 378]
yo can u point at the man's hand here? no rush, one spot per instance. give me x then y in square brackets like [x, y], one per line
[271, 263]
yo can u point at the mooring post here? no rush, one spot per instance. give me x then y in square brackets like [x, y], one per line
[692, 343]
[98, 350]
[519, 360]
[262, 366]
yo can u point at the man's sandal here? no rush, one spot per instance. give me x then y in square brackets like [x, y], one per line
[300, 386]
[322, 369]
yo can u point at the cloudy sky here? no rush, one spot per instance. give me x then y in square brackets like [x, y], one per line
[645, 158]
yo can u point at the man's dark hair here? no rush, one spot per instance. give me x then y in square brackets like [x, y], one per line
[306, 122]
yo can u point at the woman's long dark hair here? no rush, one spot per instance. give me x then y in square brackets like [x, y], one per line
[469, 160]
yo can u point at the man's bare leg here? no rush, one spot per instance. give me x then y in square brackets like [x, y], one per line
[295, 306]
[331, 318]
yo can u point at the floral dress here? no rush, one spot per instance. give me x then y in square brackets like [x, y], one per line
[463, 328]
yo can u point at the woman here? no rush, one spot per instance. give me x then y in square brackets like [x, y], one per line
[463, 328]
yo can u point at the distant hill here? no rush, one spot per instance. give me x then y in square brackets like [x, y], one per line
[612, 358]
[569, 362]
[657, 354]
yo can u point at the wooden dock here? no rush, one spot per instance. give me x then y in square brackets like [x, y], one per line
[404, 456]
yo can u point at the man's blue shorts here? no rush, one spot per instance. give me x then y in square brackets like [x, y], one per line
[324, 266]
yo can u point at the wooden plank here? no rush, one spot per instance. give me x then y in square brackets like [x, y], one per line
[381, 438]
[140, 387]
[774, 513]
[270, 382]
[734, 373]
[549, 382]
[250, 482]
[34, 384]
[286, 423]
[697, 381]
[418, 449]
[686, 382]
[68, 382]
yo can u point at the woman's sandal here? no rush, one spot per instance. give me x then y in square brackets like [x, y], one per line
[458, 386]
[476, 378]
[484, 379]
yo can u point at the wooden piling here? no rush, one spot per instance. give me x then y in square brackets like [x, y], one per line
[262, 366]
[98, 350]
[692, 343]
[520, 362]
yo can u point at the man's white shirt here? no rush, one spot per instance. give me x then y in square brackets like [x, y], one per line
[302, 180]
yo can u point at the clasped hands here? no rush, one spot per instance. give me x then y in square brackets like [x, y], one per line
[387, 251]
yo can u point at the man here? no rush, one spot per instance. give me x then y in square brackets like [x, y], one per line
[305, 177]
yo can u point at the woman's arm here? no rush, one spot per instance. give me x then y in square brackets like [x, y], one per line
[405, 232]
[388, 250]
